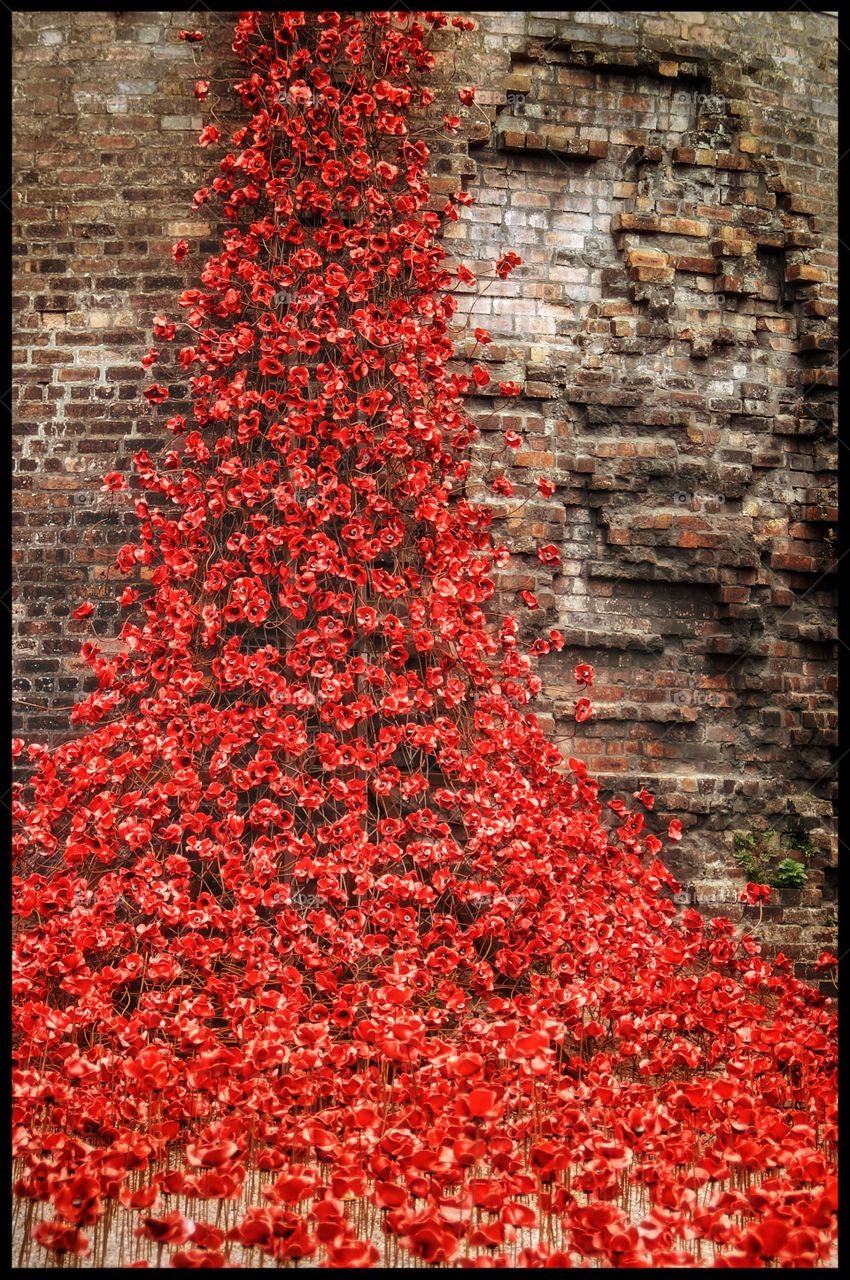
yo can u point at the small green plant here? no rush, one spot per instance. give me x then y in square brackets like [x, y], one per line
[799, 841]
[789, 874]
[763, 856]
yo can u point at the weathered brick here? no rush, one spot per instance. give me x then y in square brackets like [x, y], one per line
[805, 272]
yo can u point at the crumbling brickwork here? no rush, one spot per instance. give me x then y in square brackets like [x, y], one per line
[669, 181]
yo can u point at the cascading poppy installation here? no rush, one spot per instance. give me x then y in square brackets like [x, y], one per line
[324, 954]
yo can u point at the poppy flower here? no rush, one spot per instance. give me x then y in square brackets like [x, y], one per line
[198, 1258]
[506, 263]
[171, 1229]
[430, 1243]
[482, 1104]
[390, 1196]
[753, 894]
[353, 1253]
[211, 1155]
[59, 1238]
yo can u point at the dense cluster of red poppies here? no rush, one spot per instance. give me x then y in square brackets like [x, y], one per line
[312, 921]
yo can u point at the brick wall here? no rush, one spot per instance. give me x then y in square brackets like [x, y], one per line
[668, 179]
[105, 166]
